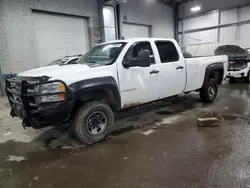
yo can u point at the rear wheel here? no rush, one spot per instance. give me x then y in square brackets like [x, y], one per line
[209, 91]
[93, 122]
[247, 79]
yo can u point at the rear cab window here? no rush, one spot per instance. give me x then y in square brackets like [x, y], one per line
[167, 51]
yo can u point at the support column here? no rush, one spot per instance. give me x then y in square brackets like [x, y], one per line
[101, 20]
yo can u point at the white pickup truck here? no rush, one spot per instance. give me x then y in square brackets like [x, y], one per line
[110, 77]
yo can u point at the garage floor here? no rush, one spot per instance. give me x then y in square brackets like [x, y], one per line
[159, 146]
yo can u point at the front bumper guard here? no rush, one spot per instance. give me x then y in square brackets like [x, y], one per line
[21, 97]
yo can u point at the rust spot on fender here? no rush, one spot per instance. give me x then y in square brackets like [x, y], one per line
[132, 104]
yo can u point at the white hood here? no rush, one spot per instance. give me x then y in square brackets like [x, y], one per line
[54, 71]
[71, 73]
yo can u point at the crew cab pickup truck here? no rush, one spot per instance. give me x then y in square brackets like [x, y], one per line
[110, 77]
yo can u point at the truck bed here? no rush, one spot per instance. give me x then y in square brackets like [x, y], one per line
[196, 68]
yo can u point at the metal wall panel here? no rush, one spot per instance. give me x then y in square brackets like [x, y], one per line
[202, 43]
[202, 49]
[205, 32]
[227, 35]
[208, 20]
[229, 16]
[201, 37]
[244, 35]
[245, 13]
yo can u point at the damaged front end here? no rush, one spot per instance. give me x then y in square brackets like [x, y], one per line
[37, 107]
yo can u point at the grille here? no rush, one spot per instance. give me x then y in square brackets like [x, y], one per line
[235, 66]
[14, 92]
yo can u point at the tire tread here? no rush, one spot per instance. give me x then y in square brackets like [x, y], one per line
[204, 93]
[84, 110]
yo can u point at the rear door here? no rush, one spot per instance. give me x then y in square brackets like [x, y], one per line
[172, 69]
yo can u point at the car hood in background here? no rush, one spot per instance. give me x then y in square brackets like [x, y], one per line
[54, 71]
[233, 52]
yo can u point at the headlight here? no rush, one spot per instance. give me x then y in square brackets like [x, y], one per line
[243, 66]
[52, 88]
[240, 66]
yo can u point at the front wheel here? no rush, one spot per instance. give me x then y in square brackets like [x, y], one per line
[93, 122]
[209, 91]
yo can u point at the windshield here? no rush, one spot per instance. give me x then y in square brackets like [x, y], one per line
[101, 55]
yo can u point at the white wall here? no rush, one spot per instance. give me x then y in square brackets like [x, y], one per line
[208, 20]
[205, 32]
[151, 13]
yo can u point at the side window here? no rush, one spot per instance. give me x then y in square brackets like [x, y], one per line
[167, 51]
[136, 48]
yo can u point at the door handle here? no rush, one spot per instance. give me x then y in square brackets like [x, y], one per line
[179, 67]
[154, 72]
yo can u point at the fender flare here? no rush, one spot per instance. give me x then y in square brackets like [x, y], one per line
[211, 68]
[80, 88]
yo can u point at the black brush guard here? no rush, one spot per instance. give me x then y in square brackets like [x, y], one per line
[20, 99]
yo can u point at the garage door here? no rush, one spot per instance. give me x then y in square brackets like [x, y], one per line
[58, 36]
[135, 30]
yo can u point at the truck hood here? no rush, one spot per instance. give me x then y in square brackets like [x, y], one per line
[54, 71]
[70, 73]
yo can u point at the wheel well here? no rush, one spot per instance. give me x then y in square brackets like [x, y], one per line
[106, 95]
[217, 75]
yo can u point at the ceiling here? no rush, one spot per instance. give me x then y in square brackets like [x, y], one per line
[174, 2]
[167, 2]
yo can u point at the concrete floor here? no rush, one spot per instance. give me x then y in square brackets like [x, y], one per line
[155, 146]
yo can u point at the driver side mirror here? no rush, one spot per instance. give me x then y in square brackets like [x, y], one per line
[143, 60]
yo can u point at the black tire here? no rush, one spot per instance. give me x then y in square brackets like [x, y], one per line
[209, 91]
[82, 123]
[247, 79]
[232, 80]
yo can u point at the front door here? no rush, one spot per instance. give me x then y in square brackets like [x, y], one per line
[138, 85]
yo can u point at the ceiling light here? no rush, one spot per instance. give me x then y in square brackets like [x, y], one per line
[195, 9]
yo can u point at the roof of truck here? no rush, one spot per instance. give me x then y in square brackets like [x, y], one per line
[137, 39]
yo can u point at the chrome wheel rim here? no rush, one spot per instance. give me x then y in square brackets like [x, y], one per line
[97, 123]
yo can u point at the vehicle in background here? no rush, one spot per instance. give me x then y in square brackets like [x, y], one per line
[248, 49]
[110, 77]
[239, 62]
[67, 60]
